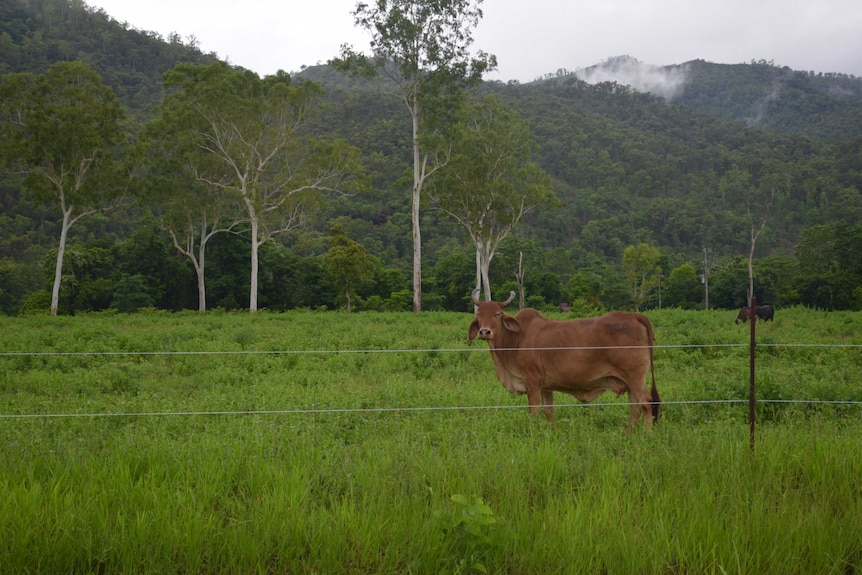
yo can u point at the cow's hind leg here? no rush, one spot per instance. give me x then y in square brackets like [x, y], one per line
[640, 407]
[548, 403]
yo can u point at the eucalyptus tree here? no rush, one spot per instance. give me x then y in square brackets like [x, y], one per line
[254, 129]
[65, 130]
[179, 188]
[762, 202]
[642, 272]
[490, 181]
[422, 47]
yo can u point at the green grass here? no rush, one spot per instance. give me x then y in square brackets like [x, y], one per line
[324, 482]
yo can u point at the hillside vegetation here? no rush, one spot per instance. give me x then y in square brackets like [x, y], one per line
[684, 175]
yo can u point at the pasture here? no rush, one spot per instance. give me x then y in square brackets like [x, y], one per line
[333, 443]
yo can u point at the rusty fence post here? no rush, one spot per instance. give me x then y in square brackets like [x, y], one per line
[752, 313]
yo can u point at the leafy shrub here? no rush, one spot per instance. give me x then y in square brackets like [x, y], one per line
[466, 534]
[38, 302]
[130, 294]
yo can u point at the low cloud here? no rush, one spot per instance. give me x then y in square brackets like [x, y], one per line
[667, 82]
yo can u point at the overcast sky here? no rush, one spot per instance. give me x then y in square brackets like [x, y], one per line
[530, 38]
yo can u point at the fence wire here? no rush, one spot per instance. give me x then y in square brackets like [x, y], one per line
[428, 350]
[19, 416]
[367, 410]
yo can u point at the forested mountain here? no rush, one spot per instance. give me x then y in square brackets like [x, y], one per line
[817, 104]
[686, 171]
[36, 33]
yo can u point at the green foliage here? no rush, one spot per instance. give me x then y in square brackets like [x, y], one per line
[130, 294]
[642, 272]
[69, 131]
[489, 181]
[348, 262]
[728, 284]
[828, 265]
[37, 302]
[683, 288]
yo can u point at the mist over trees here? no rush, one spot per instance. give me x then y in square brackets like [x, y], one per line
[626, 168]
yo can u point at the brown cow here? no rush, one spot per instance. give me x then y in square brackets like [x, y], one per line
[582, 357]
[743, 315]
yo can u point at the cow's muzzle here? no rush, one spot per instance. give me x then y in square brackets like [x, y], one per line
[484, 333]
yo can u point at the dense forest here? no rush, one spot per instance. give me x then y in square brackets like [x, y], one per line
[742, 152]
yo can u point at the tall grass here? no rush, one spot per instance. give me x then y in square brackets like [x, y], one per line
[283, 462]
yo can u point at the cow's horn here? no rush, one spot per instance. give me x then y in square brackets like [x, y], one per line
[475, 296]
[511, 298]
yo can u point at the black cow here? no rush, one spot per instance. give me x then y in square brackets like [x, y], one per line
[764, 313]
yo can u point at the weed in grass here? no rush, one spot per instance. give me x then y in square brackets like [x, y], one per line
[466, 535]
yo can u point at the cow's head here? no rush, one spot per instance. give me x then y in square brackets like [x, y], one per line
[490, 319]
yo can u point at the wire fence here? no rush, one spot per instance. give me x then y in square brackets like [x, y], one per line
[349, 410]
[368, 410]
[426, 350]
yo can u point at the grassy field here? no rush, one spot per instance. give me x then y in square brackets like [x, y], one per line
[336, 443]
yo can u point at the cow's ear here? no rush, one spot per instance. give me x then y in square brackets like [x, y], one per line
[474, 329]
[511, 324]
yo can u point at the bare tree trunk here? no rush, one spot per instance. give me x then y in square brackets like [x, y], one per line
[202, 286]
[417, 194]
[751, 266]
[754, 234]
[58, 267]
[198, 260]
[478, 271]
[519, 275]
[252, 296]
[483, 260]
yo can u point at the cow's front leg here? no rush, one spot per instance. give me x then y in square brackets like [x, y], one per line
[534, 398]
[548, 402]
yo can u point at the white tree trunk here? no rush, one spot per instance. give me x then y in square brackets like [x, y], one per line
[417, 194]
[58, 267]
[202, 287]
[252, 295]
[478, 271]
[484, 254]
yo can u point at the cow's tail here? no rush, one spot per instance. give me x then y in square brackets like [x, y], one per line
[655, 400]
